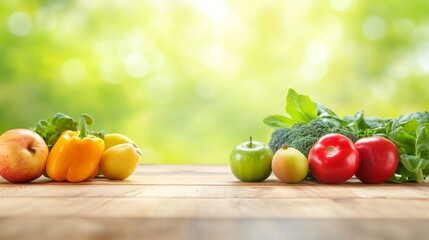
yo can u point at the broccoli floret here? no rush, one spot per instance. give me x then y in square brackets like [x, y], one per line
[303, 136]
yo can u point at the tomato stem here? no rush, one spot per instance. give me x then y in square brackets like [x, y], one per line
[331, 150]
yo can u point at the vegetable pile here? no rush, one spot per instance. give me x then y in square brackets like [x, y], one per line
[305, 122]
[63, 149]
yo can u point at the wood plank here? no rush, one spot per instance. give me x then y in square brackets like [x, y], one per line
[298, 208]
[260, 191]
[208, 174]
[216, 174]
[163, 170]
[201, 201]
[182, 168]
[24, 228]
[202, 179]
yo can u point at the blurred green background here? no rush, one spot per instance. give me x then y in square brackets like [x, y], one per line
[189, 80]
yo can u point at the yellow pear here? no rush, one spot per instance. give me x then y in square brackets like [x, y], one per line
[120, 161]
[113, 139]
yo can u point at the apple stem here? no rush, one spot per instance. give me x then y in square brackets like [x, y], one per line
[285, 146]
[250, 142]
[31, 150]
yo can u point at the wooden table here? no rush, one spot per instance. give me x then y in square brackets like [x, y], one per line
[207, 202]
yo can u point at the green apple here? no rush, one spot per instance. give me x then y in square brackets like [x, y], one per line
[289, 165]
[251, 161]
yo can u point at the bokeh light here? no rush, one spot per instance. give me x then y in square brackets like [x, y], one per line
[188, 80]
[20, 23]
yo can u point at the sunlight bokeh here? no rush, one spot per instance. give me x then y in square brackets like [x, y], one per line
[188, 80]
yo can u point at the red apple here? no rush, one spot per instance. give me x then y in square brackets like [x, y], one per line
[23, 155]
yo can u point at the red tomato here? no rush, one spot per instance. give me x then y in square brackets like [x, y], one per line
[333, 159]
[378, 159]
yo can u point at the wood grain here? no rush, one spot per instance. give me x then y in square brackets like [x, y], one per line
[206, 201]
[299, 208]
[257, 191]
[210, 229]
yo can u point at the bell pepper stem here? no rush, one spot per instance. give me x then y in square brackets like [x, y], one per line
[84, 121]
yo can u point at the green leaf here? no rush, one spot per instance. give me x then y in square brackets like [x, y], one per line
[99, 134]
[358, 122]
[404, 136]
[300, 107]
[51, 129]
[405, 142]
[413, 163]
[414, 167]
[337, 121]
[421, 117]
[322, 110]
[327, 115]
[41, 127]
[422, 141]
[410, 126]
[279, 121]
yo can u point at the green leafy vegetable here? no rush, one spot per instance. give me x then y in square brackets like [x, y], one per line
[279, 121]
[422, 141]
[421, 117]
[412, 140]
[409, 132]
[299, 108]
[52, 128]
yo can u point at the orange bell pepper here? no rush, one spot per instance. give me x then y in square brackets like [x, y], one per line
[76, 154]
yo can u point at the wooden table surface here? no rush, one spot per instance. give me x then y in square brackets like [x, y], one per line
[207, 202]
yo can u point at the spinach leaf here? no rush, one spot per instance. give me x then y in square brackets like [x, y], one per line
[299, 108]
[279, 121]
[421, 117]
[404, 137]
[322, 110]
[367, 126]
[358, 124]
[330, 116]
[412, 141]
[422, 141]
[413, 167]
